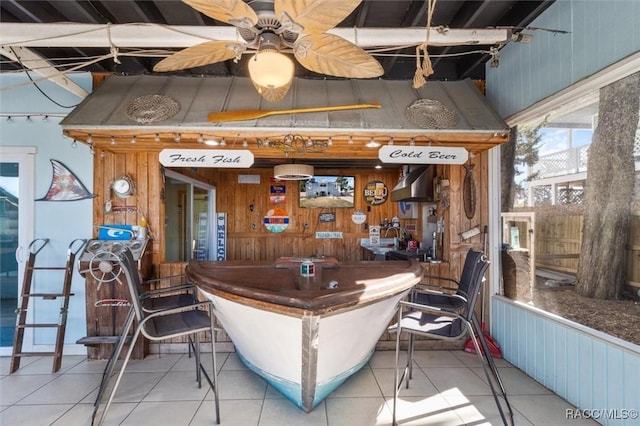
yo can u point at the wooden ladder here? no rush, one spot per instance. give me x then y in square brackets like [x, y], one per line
[34, 248]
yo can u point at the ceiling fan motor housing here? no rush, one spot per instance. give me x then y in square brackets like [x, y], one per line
[267, 24]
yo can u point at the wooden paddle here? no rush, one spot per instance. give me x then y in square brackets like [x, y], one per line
[251, 114]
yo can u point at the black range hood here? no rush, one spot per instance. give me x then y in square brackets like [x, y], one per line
[417, 185]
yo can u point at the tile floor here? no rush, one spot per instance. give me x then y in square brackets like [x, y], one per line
[447, 389]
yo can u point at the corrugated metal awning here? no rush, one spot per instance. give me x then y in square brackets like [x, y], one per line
[104, 112]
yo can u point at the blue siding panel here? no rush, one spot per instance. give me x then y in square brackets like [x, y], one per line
[585, 371]
[583, 47]
[572, 369]
[614, 388]
[540, 335]
[631, 397]
[550, 348]
[561, 48]
[600, 369]
[530, 344]
[588, 369]
[600, 34]
[561, 361]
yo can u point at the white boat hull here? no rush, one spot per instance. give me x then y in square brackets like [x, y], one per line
[305, 335]
[305, 358]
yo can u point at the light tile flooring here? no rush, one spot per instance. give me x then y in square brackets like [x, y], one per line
[448, 389]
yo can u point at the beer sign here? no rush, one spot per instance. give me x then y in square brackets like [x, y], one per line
[422, 154]
[375, 192]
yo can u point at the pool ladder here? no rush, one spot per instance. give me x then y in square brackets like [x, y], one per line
[34, 248]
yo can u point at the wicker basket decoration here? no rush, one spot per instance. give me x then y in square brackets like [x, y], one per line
[431, 114]
[151, 108]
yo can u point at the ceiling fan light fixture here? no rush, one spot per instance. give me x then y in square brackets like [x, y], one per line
[271, 73]
[293, 171]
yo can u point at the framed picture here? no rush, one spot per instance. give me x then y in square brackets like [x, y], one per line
[327, 192]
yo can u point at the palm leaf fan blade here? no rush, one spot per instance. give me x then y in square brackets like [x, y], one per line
[235, 12]
[199, 55]
[315, 16]
[332, 55]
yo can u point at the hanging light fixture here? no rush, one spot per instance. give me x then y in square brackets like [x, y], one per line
[271, 71]
[293, 171]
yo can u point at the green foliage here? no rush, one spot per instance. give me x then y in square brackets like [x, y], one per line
[528, 144]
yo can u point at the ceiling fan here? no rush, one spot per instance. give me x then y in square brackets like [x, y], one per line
[269, 27]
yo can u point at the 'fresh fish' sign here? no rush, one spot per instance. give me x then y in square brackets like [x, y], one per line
[422, 154]
[225, 158]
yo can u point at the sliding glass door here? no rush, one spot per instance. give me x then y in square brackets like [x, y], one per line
[190, 214]
[16, 233]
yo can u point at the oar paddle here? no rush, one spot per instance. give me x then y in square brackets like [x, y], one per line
[251, 114]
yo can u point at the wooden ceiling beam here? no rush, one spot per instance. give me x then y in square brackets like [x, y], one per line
[32, 61]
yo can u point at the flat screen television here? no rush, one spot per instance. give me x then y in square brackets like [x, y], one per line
[327, 192]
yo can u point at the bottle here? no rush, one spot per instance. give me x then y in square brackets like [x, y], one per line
[142, 229]
[434, 254]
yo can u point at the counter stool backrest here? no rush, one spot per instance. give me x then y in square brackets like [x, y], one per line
[473, 285]
[468, 271]
[130, 269]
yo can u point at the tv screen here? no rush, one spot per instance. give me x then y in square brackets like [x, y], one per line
[327, 192]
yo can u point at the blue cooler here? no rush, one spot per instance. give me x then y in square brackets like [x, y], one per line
[116, 232]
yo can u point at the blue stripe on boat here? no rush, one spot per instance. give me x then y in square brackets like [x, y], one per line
[323, 390]
[293, 391]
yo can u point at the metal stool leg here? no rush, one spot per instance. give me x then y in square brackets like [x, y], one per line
[115, 354]
[477, 347]
[118, 378]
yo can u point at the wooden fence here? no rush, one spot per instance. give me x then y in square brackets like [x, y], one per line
[557, 239]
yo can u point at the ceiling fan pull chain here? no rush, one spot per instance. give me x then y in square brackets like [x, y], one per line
[424, 68]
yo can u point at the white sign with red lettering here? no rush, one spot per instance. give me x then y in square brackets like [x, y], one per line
[227, 158]
[422, 154]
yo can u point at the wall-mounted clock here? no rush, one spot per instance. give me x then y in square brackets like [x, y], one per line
[123, 187]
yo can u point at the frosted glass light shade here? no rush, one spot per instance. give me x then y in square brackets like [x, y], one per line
[271, 73]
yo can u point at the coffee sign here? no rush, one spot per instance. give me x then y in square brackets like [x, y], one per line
[422, 154]
[225, 158]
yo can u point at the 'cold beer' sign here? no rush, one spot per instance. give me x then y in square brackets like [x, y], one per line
[422, 155]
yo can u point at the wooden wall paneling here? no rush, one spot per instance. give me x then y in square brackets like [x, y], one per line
[104, 172]
[235, 198]
[106, 321]
[457, 218]
[269, 247]
[483, 192]
[246, 247]
[154, 209]
[255, 248]
[468, 223]
[482, 180]
[120, 168]
[142, 185]
[172, 274]
[481, 207]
